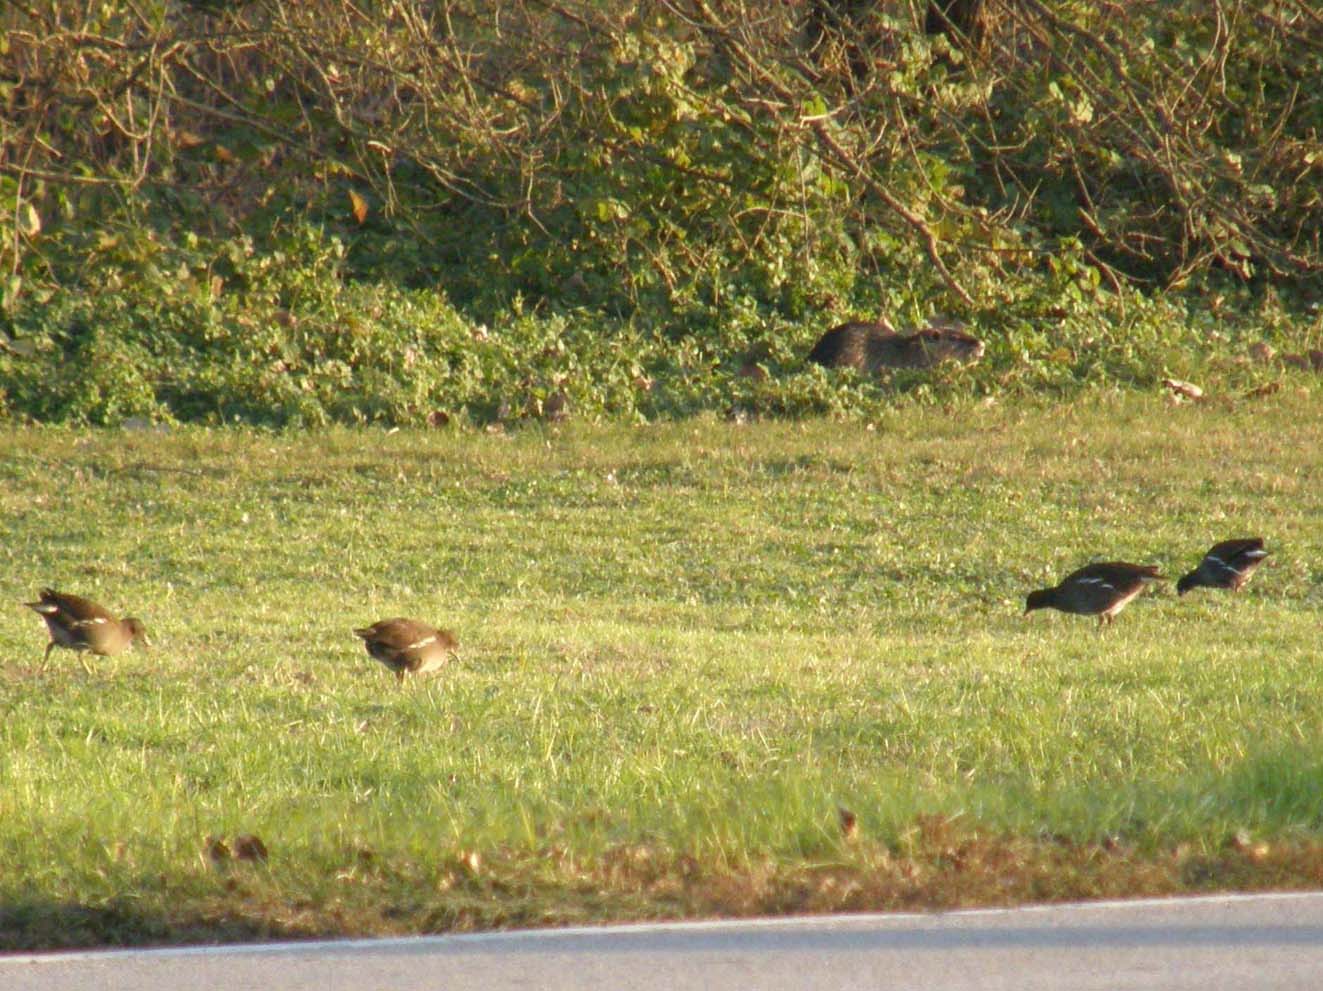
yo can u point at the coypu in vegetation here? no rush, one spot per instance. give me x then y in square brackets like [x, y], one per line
[870, 347]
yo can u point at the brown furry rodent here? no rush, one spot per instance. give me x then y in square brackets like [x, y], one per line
[869, 347]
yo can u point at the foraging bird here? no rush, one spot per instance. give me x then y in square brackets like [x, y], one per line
[80, 624]
[1101, 590]
[1229, 564]
[406, 645]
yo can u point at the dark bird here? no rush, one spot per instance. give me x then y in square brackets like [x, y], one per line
[1101, 590]
[406, 645]
[80, 624]
[1229, 564]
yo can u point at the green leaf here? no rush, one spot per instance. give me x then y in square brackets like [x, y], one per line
[29, 220]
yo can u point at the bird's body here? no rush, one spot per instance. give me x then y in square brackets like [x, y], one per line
[82, 625]
[1101, 590]
[407, 645]
[1229, 564]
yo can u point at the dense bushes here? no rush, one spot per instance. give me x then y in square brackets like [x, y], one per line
[401, 211]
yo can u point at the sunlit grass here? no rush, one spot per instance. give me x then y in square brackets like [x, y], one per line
[683, 648]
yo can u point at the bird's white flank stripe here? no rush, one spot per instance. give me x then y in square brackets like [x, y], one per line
[422, 643]
[1222, 564]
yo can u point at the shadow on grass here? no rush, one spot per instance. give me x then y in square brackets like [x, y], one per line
[40, 924]
[949, 867]
[1268, 808]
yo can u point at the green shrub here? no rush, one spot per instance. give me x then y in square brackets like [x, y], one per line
[298, 214]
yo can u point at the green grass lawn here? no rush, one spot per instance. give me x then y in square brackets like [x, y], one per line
[685, 648]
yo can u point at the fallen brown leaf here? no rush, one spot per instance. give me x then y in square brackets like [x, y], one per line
[249, 847]
[849, 822]
[358, 206]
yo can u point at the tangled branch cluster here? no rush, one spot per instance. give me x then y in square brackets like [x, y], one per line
[628, 149]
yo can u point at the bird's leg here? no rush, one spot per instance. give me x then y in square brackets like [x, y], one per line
[46, 656]
[82, 659]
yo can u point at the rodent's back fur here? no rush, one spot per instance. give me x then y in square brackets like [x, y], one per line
[869, 347]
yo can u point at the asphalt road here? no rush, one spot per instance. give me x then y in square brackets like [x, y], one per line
[1238, 943]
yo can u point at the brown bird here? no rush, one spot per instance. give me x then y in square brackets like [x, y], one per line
[406, 645]
[1229, 564]
[80, 624]
[1101, 590]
